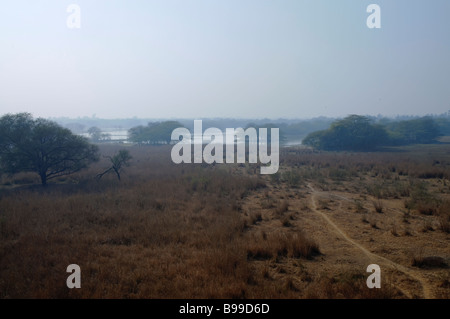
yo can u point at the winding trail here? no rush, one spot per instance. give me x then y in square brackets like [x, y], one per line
[427, 291]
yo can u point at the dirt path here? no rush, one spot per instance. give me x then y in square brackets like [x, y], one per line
[427, 291]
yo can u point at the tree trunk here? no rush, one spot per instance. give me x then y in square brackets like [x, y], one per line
[117, 173]
[43, 179]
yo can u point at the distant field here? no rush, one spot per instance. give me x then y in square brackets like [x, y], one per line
[225, 231]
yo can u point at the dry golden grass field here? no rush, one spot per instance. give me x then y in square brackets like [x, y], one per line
[225, 231]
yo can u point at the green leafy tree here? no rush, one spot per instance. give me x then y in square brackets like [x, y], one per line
[42, 146]
[353, 133]
[137, 134]
[315, 139]
[443, 124]
[417, 131]
[153, 133]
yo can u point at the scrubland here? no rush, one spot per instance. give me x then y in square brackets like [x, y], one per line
[225, 231]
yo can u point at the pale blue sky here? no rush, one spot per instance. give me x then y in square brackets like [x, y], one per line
[224, 58]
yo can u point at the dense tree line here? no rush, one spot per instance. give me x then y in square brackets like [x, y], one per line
[359, 133]
[293, 130]
[153, 133]
[161, 132]
[416, 131]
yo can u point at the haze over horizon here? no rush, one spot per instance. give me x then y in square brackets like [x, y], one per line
[224, 59]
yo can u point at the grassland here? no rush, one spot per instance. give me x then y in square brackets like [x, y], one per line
[224, 231]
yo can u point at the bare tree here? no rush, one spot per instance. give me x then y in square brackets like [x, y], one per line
[118, 161]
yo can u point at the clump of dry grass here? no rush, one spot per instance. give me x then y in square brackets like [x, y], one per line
[378, 205]
[255, 217]
[407, 232]
[427, 226]
[323, 204]
[373, 221]
[359, 207]
[286, 220]
[282, 207]
[394, 230]
[283, 245]
[364, 218]
[351, 285]
[406, 216]
[426, 208]
[444, 216]
[444, 223]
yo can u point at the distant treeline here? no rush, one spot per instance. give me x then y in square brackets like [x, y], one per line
[160, 132]
[360, 133]
[153, 132]
[354, 132]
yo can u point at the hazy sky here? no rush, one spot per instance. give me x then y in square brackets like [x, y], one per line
[224, 58]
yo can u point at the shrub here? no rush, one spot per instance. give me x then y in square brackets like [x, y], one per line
[428, 262]
[292, 178]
